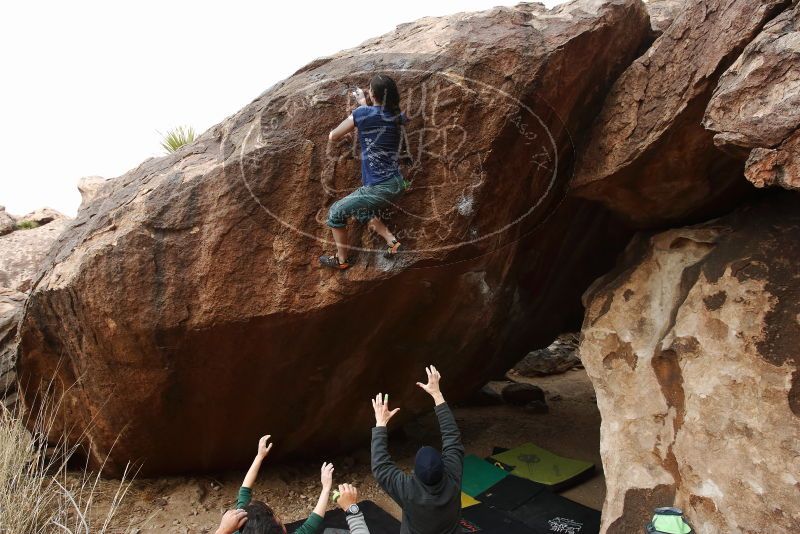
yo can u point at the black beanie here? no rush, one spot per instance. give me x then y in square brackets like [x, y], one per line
[428, 465]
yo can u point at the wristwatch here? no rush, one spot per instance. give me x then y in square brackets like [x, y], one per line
[353, 510]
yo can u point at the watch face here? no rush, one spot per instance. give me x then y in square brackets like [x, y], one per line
[353, 509]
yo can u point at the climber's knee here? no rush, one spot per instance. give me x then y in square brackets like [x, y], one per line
[337, 216]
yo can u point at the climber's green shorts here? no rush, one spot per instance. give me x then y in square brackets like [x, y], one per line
[366, 202]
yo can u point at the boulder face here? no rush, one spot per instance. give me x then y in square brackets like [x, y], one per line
[778, 166]
[11, 303]
[663, 13]
[649, 157]
[693, 346]
[755, 110]
[185, 305]
[8, 222]
[757, 100]
[22, 253]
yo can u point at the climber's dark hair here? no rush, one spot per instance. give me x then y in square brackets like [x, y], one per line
[261, 520]
[384, 89]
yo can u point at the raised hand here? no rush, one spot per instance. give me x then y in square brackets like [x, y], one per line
[326, 477]
[360, 98]
[232, 521]
[381, 406]
[348, 496]
[432, 386]
[263, 449]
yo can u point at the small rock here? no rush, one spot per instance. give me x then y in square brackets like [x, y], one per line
[486, 396]
[41, 216]
[522, 394]
[560, 356]
[555, 397]
[537, 407]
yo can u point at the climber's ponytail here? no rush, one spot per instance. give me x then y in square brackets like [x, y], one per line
[385, 91]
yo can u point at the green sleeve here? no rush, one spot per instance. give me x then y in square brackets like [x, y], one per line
[311, 525]
[243, 499]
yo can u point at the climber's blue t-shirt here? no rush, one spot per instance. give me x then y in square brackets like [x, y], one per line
[379, 136]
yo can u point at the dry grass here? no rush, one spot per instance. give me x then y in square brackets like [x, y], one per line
[38, 494]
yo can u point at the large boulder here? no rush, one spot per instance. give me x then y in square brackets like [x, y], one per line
[8, 222]
[11, 303]
[186, 301]
[693, 347]
[755, 110]
[649, 157]
[757, 100]
[23, 252]
[663, 13]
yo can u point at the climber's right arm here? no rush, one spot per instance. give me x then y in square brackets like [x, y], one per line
[344, 128]
[389, 476]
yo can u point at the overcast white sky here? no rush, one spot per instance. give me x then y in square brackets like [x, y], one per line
[86, 85]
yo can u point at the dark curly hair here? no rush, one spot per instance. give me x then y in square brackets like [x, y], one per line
[261, 519]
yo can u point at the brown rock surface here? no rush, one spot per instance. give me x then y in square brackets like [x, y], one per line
[11, 303]
[778, 166]
[757, 100]
[22, 253]
[649, 157]
[189, 303]
[692, 346]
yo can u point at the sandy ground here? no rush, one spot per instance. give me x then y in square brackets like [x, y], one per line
[195, 504]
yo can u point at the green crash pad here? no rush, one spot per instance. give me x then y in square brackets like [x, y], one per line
[540, 465]
[479, 475]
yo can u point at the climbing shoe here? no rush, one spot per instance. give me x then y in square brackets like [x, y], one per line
[334, 263]
[393, 248]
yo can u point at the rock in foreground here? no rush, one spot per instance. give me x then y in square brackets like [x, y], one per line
[186, 299]
[693, 346]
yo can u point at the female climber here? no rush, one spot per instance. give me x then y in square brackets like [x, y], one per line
[380, 135]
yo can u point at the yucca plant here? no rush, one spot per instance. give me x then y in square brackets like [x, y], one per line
[177, 137]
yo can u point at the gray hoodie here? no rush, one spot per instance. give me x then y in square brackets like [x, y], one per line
[427, 509]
